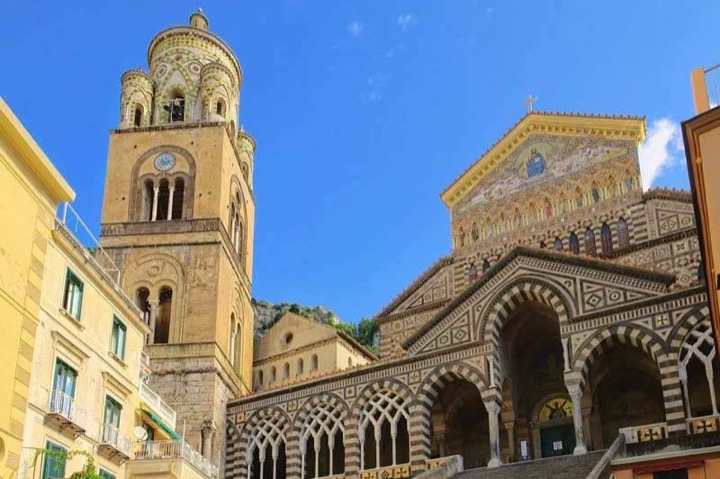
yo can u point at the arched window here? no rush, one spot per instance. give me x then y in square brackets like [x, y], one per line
[238, 346]
[472, 272]
[606, 239]
[590, 242]
[623, 235]
[177, 199]
[313, 362]
[163, 316]
[558, 244]
[595, 193]
[233, 333]
[220, 108]
[149, 200]
[300, 366]
[542, 244]
[697, 364]
[261, 377]
[629, 181]
[236, 227]
[383, 431]
[574, 243]
[266, 455]
[176, 108]
[474, 233]
[137, 120]
[322, 444]
[461, 237]
[142, 296]
[579, 197]
[273, 374]
[486, 265]
[349, 362]
[163, 200]
[286, 371]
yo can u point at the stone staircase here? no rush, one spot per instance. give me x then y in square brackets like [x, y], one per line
[561, 467]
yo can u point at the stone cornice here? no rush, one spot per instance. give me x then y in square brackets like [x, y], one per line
[678, 235]
[411, 312]
[543, 254]
[561, 124]
[667, 194]
[293, 352]
[415, 285]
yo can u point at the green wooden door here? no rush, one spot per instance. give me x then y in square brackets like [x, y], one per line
[557, 441]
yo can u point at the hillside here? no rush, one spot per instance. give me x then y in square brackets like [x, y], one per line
[266, 314]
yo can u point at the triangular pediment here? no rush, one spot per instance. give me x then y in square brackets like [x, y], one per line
[540, 148]
[587, 288]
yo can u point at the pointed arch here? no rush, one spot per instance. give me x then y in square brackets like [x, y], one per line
[623, 234]
[558, 244]
[590, 248]
[606, 242]
[574, 243]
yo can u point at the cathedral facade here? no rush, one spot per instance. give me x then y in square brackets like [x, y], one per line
[570, 311]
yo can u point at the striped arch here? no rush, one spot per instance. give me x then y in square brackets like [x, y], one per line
[517, 293]
[314, 401]
[428, 392]
[234, 447]
[594, 347]
[352, 442]
[651, 344]
[685, 325]
[274, 418]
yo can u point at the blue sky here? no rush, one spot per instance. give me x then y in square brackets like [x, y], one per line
[364, 111]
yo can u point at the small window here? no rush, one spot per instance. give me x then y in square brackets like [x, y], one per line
[117, 340]
[574, 243]
[314, 362]
[220, 108]
[623, 235]
[558, 244]
[288, 338]
[349, 362]
[300, 366]
[261, 377]
[111, 420]
[542, 244]
[273, 374]
[590, 242]
[286, 371]
[472, 272]
[486, 265]
[176, 108]
[72, 296]
[606, 239]
[106, 474]
[54, 465]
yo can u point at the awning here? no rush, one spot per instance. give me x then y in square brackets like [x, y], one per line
[161, 424]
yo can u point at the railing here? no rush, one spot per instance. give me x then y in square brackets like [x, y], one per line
[150, 450]
[706, 88]
[152, 399]
[703, 425]
[645, 433]
[65, 406]
[73, 224]
[400, 471]
[112, 436]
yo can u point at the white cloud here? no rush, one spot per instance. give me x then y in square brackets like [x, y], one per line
[662, 148]
[355, 28]
[405, 21]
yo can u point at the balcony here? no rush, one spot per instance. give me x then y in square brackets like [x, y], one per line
[160, 407]
[114, 445]
[153, 457]
[65, 414]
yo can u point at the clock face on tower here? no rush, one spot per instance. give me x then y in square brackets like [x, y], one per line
[165, 161]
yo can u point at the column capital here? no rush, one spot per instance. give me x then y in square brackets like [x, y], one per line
[575, 391]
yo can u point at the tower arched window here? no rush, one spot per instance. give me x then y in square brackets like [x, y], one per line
[606, 239]
[178, 195]
[149, 200]
[220, 108]
[142, 296]
[273, 374]
[558, 244]
[313, 362]
[176, 108]
[623, 235]
[574, 243]
[163, 200]
[261, 377]
[236, 226]
[163, 316]
[286, 370]
[590, 248]
[138, 115]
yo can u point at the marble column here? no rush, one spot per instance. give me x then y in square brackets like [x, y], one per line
[208, 432]
[154, 304]
[510, 428]
[493, 410]
[576, 396]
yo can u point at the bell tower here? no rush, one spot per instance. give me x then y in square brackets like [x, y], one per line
[178, 218]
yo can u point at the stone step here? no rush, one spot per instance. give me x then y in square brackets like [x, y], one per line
[561, 467]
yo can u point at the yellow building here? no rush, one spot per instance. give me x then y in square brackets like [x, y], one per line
[296, 349]
[27, 178]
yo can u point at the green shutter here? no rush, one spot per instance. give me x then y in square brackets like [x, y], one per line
[53, 467]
